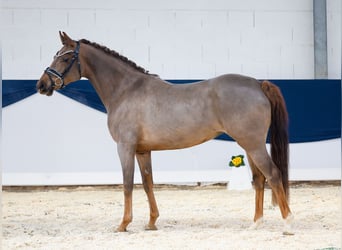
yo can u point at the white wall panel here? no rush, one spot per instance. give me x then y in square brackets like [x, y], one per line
[274, 5]
[6, 17]
[302, 24]
[241, 19]
[235, 26]
[26, 17]
[81, 18]
[255, 69]
[54, 18]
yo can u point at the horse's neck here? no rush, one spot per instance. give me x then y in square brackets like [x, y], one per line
[108, 75]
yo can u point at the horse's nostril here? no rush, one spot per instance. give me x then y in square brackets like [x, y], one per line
[40, 87]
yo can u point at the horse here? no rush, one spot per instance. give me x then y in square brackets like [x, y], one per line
[146, 113]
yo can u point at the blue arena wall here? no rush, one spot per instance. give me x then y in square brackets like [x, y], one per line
[314, 106]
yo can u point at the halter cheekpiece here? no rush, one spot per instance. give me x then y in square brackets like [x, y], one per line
[59, 81]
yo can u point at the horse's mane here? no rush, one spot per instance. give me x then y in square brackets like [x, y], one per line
[116, 55]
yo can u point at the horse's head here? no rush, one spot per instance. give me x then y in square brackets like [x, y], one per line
[64, 69]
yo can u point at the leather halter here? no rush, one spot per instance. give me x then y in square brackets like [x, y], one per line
[59, 80]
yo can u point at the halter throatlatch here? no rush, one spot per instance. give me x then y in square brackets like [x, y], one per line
[59, 80]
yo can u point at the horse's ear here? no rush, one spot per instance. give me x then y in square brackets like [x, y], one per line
[65, 39]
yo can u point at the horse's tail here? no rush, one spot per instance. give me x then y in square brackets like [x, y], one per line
[278, 133]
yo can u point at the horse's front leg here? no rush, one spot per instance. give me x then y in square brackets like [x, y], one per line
[144, 160]
[126, 154]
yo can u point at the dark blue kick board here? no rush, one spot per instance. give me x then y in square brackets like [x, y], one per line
[314, 106]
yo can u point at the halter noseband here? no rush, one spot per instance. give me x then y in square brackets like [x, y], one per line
[59, 81]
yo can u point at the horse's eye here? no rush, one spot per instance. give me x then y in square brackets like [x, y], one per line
[55, 56]
[65, 59]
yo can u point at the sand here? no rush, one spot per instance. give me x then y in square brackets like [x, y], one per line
[210, 217]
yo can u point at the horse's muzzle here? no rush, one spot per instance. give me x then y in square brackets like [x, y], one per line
[44, 88]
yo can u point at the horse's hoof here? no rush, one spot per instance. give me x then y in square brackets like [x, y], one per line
[288, 225]
[288, 232]
[149, 227]
[256, 224]
[120, 230]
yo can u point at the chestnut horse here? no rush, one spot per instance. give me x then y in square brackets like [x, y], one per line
[146, 113]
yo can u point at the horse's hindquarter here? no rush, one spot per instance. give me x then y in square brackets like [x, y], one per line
[244, 109]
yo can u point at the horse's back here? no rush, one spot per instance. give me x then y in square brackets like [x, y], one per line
[238, 85]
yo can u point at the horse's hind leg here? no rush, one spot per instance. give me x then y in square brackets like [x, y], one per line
[259, 186]
[266, 166]
[144, 160]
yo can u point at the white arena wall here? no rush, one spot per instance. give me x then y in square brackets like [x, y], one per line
[193, 39]
[57, 141]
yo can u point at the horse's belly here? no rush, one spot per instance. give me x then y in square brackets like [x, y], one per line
[176, 140]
